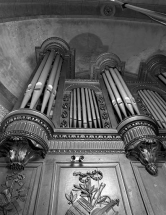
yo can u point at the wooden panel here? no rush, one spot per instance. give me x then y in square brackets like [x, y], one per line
[152, 188]
[112, 177]
[31, 185]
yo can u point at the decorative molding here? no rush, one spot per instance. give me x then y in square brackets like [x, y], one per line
[85, 147]
[82, 80]
[104, 60]
[108, 10]
[85, 136]
[151, 68]
[55, 43]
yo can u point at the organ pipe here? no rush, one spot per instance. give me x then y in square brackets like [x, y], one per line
[96, 109]
[161, 106]
[88, 108]
[75, 109]
[164, 102]
[164, 74]
[150, 107]
[31, 86]
[132, 100]
[79, 108]
[162, 78]
[55, 85]
[49, 86]
[122, 91]
[162, 117]
[42, 79]
[92, 108]
[112, 96]
[116, 93]
[71, 109]
[83, 108]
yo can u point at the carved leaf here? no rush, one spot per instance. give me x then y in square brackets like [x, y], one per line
[82, 186]
[95, 190]
[84, 192]
[74, 198]
[76, 186]
[67, 197]
[102, 200]
[71, 195]
[91, 189]
[75, 189]
[84, 195]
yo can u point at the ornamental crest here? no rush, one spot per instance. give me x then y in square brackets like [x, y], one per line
[86, 198]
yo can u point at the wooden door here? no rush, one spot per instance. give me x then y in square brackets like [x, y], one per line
[50, 185]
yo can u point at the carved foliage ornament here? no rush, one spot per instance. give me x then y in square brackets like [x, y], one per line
[12, 192]
[86, 198]
[146, 150]
[20, 150]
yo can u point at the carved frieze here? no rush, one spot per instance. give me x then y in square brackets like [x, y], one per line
[85, 147]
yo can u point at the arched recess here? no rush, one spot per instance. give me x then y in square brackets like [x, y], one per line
[84, 105]
[55, 43]
[153, 68]
[105, 60]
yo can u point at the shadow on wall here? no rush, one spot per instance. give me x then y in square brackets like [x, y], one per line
[88, 47]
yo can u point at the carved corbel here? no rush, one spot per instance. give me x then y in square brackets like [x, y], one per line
[139, 134]
[25, 135]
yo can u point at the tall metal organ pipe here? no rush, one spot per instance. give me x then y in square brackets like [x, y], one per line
[55, 85]
[84, 109]
[116, 93]
[42, 80]
[155, 108]
[122, 99]
[31, 86]
[49, 86]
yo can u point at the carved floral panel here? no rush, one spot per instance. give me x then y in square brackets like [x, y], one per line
[90, 189]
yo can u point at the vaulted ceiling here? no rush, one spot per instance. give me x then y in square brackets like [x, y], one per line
[91, 27]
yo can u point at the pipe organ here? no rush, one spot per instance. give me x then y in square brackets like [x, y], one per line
[61, 114]
[162, 77]
[84, 109]
[156, 109]
[42, 90]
